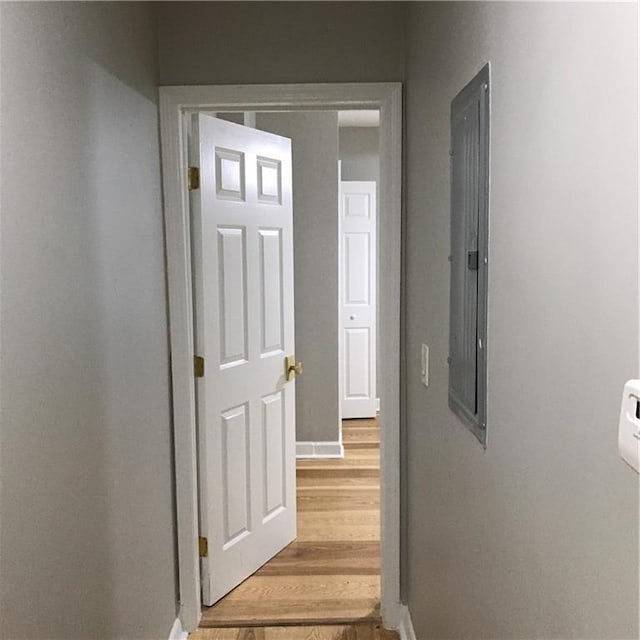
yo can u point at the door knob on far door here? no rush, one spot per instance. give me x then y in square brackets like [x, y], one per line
[292, 368]
[352, 317]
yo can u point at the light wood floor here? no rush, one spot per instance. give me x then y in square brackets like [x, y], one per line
[326, 584]
[327, 632]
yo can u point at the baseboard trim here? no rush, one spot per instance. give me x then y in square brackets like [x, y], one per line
[377, 405]
[319, 450]
[177, 633]
[406, 626]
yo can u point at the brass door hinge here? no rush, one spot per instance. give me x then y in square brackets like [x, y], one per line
[193, 178]
[203, 546]
[198, 366]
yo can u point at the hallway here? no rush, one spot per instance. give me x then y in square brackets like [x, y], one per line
[330, 576]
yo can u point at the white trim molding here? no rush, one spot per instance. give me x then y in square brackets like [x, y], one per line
[405, 628]
[177, 632]
[319, 450]
[176, 104]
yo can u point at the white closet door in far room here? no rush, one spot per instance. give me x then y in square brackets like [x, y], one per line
[358, 293]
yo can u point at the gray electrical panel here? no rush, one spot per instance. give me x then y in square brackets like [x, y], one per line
[469, 254]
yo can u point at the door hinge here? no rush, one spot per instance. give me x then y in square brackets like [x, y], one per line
[203, 546]
[198, 366]
[193, 178]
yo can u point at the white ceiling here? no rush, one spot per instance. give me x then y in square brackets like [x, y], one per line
[359, 118]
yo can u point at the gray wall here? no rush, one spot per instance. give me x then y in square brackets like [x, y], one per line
[87, 548]
[267, 42]
[360, 153]
[538, 535]
[314, 144]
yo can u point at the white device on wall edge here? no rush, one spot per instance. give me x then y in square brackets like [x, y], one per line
[629, 427]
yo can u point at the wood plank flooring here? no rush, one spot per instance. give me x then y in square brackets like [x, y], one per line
[326, 632]
[326, 584]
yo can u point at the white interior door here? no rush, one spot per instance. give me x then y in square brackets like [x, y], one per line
[243, 295]
[358, 292]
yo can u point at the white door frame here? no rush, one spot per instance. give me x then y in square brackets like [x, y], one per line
[176, 103]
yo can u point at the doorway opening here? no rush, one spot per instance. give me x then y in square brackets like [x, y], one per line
[177, 105]
[336, 550]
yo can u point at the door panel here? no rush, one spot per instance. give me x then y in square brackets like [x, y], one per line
[357, 270]
[357, 357]
[358, 282]
[271, 289]
[274, 438]
[242, 236]
[233, 294]
[236, 480]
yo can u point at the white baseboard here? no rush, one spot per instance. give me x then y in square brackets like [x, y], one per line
[319, 450]
[377, 405]
[406, 626]
[177, 632]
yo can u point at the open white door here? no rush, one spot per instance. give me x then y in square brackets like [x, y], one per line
[359, 288]
[242, 229]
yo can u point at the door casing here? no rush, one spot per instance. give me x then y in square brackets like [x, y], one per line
[176, 105]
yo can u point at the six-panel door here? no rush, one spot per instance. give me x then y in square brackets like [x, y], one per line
[243, 297]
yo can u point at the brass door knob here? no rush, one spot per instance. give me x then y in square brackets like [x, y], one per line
[292, 368]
